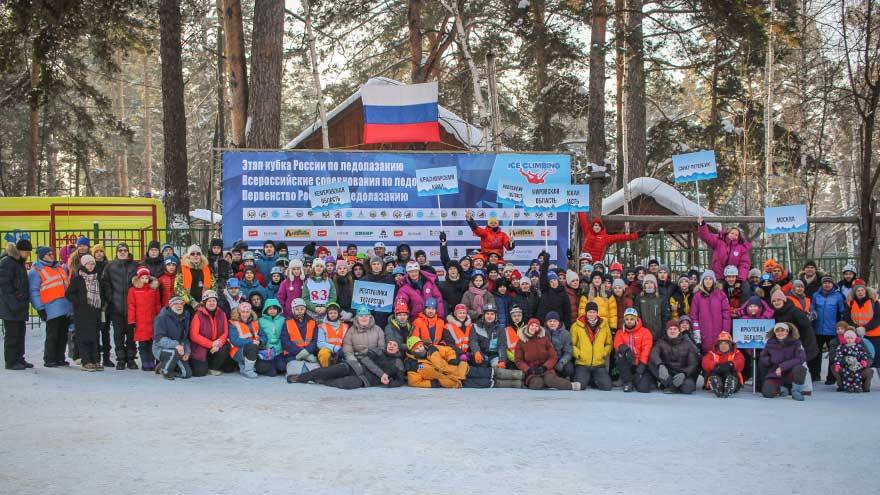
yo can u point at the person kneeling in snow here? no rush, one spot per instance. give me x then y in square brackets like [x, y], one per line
[244, 337]
[171, 346]
[331, 332]
[850, 364]
[784, 361]
[299, 340]
[536, 357]
[632, 350]
[674, 361]
[723, 366]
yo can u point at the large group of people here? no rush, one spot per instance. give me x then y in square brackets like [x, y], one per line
[485, 323]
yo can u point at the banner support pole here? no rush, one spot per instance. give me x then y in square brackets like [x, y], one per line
[546, 236]
[336, 235]
[440, 213]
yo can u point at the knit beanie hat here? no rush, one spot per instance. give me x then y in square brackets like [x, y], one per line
[87, 258]
[591, 306]
[571, 276]
[618, 283]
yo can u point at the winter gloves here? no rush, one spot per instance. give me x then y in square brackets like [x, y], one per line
[304, 355]
[42, 313]
[663, 374]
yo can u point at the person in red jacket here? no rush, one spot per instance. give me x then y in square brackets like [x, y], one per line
[209, 338]
[723, 366]
[143, 307]
[632, 350]
[597, 239]
[166, 280]
[492, 238]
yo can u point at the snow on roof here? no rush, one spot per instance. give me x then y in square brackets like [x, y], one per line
[205, 215]
[470, 135]
[665, 195]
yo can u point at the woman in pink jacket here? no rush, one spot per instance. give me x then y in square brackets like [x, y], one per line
[417, 286]
[710, 312]
[729, 247]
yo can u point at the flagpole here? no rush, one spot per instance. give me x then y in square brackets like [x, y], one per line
[546, 236]
[440, 213]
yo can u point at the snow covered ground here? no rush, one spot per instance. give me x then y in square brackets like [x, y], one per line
[66, 431]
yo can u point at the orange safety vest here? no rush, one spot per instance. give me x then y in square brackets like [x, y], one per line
[862, 315]
[424, 333]
[512, 341]
[462, 336]
[295, 335]
[53, 283]
[248, 331]
[333, 336]
[188, 278]
[797, 303]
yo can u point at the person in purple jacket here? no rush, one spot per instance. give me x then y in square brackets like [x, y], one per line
[755, 309]
[729, 247]
[417, 286]
[710, 312]
[784, 362]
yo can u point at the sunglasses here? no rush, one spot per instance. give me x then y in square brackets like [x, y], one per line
[195, 254]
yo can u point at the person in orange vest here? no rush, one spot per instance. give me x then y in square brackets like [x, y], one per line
[194, 277]
[299, 340]
[330, 334]
[863, 311]
[800, 299]
[510, 339]
[48, 281]
[244, 340]
[428, 325]
[459, 335]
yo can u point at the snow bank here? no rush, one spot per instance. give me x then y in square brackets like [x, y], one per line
[666, 195]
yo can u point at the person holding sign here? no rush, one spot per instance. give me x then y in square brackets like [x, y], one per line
[729, 247]
[492, 238]
[597, 239]
[723, 367]
[784, 362]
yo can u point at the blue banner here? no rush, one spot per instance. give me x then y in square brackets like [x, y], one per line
[790, 219]
[266, 196]
[695, 166]
[377, 297]
[751, 334]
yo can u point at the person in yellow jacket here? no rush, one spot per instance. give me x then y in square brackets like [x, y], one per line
[591, 347]
[431, 366]
[603, 298]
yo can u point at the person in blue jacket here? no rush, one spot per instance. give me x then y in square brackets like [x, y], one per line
[48, 279]
[829, 304]
[266, 259]
[249, 284]
[276, 276]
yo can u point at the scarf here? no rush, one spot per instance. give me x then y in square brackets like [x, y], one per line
[93, 293]
[479, 295]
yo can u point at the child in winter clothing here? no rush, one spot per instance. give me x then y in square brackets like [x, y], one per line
[850, 362]
[399, 328]
[591, 348]
[784, 361]
[331, 332]
[166, 280]
[488, 334]
[276, 276]
[560, 337]
[244, 340]
[755, 308]
[271, 327]
[291, 287]
[632, 348]
[723, 367]
[143, 307]
[477, 296]
[299, 340]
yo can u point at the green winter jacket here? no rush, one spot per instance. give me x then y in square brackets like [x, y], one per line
[271, 327]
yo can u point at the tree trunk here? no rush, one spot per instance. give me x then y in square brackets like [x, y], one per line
[414, 25]
[867, 202]
[542, 116]
[148, 128]
[233, 33]
[316, 75]
[173, 116]
[264, 103]
[220, 124]
[634, 86]
[51, 164]
[33, 169]
[619, 61]
[123, 153]
[596, 147]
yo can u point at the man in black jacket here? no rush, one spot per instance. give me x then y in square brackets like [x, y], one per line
[14, 298]
[115, 283]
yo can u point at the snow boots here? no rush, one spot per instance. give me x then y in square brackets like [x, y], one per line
[796, 389]
[730, 384]
[247, 369]
[717, 385]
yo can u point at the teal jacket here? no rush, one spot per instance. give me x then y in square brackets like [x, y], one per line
[271, 327]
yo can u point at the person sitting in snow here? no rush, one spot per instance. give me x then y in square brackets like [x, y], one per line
[331, 332]
[492, 238]
[674, 361]
[632, 350]
[723, 367]
[299, 341]
[784, 361]
[851, 364]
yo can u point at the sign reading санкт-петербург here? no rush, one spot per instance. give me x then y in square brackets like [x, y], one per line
[751, 334]
[689, 167]
[327, 197]
[790, 219]
[437, 181]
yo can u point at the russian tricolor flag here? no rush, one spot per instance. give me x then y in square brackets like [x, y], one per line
[400, 114]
